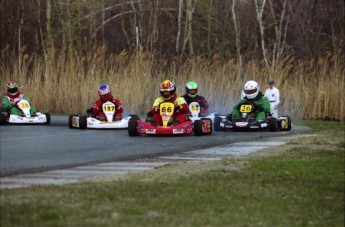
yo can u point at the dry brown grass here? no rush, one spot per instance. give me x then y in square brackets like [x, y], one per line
[310, 89]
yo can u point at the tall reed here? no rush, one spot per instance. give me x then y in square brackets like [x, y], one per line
[68, 84]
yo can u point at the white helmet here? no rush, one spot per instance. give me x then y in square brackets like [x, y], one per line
[251, 89]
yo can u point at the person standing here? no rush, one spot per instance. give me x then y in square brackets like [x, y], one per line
[272, 94]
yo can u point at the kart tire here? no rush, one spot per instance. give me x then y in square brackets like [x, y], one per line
[197, 125]
[216, 124]
[272, 124]
[288, 128]
[133, 127]
[210, 123]
[134, 117]
[82, 122]
[70, 117]
[2, 119]
[48, 118]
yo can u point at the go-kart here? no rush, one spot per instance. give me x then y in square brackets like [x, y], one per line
[200, 127]
[247, 121]
[25, 115]
[83, 121]
[195, 113]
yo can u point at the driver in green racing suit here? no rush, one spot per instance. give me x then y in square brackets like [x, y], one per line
[253, 96]
[11, 99]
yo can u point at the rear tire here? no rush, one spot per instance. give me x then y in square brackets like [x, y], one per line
[210, 126]
[82, 122]
[272, 124]
[2, 119]
[216, 124]
[197, 125]
[288, 122]
[48, 118]
[133, 127]
[70, 117]
[134, 117]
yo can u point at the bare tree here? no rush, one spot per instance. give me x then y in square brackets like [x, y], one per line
[259, 7]
[237, 33]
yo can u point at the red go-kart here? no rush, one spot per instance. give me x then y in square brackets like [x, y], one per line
[166, 109]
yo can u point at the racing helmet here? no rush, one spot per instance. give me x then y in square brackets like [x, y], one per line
[167, 89]
[104, 92]
[251, 89]
[12, 88]
[191, 89]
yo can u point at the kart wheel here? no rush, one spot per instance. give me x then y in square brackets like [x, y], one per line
[132, 128]
[285, 125]
[48, 118]
[207, 126]
[70, 118]
[217, 121]
[197, 127]
[2, 119]
[83, 122]
[272, 124]
[134, 117]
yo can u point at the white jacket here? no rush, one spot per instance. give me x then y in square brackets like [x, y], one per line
[273, 95]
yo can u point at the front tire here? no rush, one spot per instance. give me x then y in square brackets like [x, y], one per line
[217, 121]
[133, 128]
[83, 122]
[272, 124]
[197, 125]
[2, 119]
[48, 118]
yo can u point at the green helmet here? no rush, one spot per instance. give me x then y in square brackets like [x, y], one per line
[190, 86]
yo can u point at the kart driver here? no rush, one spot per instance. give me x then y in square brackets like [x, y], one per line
[191, 96]
[105, 95]
[11, 99]
[168, 94]
[253, 96]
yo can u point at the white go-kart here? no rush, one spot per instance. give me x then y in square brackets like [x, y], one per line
[83, 121]
[195, 113]
[25, 116]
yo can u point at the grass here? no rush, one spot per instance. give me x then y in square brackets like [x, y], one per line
[309, 89]
[297, 184]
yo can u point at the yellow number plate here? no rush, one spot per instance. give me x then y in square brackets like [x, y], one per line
[24, 105]
[108, 108]
[167, 108]
[246, 109]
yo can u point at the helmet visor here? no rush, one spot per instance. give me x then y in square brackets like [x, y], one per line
[248, 92]
[192, 91]
[12, 90]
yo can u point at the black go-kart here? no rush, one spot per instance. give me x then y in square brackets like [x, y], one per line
[247, 121]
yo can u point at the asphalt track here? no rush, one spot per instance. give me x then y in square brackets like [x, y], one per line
[36, 148]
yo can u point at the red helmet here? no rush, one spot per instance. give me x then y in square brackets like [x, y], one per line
[167, 89]
[12, 88]
[104, 92]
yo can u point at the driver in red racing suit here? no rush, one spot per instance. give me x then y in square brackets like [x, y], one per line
[105, 95]
[168, 94]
